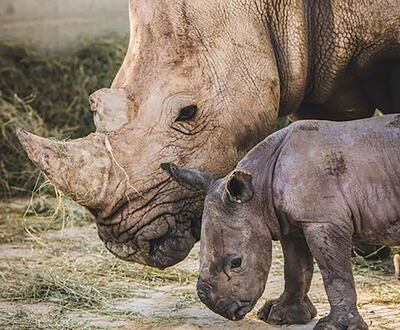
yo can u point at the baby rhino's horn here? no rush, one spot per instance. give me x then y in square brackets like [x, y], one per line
[191, 179]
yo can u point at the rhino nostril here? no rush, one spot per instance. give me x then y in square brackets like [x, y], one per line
[204, 290]
[203, 285]
[202, 295]
[243, 309]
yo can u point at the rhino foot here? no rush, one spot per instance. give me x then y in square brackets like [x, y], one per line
[278, 312]
[357, 323]
[329, 323]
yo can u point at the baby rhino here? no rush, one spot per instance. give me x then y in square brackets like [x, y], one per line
[315, 186]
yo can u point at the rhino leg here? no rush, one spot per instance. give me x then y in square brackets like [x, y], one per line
[293, 306]
[331, 246]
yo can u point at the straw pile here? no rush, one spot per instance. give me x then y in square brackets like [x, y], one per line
[47, 94]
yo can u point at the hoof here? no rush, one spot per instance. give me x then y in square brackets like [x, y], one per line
[357, 323]
[264, 311]
[324, 324]
[328, 323]
[278, 312]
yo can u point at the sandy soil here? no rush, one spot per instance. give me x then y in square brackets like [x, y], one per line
[164, 306]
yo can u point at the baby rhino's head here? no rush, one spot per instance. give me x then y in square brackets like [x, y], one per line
[235, 250]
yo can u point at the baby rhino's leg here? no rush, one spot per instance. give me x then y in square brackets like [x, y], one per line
[293, 306]
[331, 246]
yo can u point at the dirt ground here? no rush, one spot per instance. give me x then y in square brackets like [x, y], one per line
[65, 279]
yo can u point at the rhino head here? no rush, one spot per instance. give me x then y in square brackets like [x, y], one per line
[236, 245]
[199, 80]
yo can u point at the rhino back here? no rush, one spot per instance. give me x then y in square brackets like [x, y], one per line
[346, 172]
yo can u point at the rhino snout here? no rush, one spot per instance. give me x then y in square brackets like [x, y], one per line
[204, 291]
[234, 310]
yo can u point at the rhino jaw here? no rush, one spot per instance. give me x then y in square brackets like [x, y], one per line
[159, 252]
[157, 237]
[79, 168]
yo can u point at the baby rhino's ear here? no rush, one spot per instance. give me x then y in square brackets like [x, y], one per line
[239, 187]
[192, 180]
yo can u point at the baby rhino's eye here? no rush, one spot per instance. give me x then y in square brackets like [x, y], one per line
[236, 263]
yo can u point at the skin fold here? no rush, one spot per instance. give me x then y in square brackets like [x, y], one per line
[202, 83]
[316, 198]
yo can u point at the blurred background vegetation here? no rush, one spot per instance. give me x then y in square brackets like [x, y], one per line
[47, 93]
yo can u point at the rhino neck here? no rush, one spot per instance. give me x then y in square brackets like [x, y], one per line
[346, 37]
[286, 22]
[261, 162]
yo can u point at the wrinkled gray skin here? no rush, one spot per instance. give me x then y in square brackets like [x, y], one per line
[242, 63]
[316, 197]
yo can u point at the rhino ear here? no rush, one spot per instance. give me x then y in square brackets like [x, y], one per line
[192, 180]
[239, 188]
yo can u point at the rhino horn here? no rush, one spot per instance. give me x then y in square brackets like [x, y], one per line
[79, 168]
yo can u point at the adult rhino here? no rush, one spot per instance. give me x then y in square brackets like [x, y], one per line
[204, 81]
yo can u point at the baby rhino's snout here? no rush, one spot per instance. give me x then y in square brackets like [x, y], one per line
[205, 292]
[231, 309]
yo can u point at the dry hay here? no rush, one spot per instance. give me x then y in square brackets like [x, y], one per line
[85, 284]
[47, 94]
[28, 218]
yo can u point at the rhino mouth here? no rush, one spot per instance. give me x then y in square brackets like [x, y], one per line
[173, 247]
[158, 234]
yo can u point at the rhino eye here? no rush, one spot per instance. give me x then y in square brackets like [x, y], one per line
[187, 113]
[236, 263]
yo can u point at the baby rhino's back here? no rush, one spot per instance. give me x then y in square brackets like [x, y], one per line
[345, 172]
